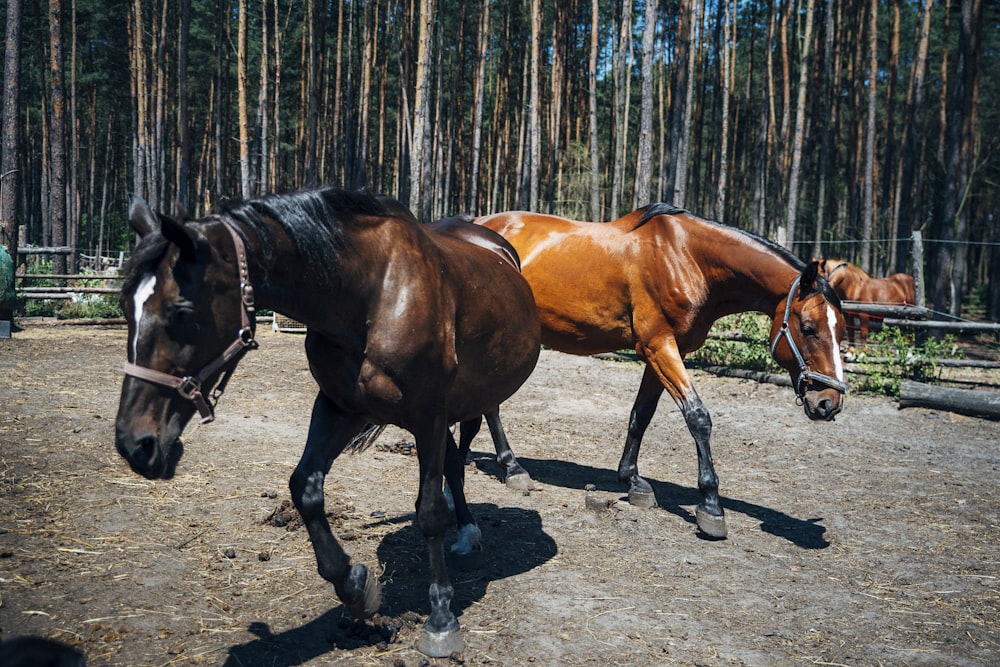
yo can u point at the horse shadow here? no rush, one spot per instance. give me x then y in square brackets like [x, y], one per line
[672, 498]
[513, 542]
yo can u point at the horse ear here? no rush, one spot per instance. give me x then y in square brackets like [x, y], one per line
[808, 283]
[140, 218]
[178, 234]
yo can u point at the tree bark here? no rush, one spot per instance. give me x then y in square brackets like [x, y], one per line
[868, 217]
[908, 154]
[805, 65]
[595, 173]
[10, 174]
[478, 99]
[622, 76]
[644, 158]
[419, 201]
[57, 137]
[534, 129]
[243, 119]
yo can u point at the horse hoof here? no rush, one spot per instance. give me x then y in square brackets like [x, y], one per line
[441, 644]
[469, 540]
[370, 599]
[520, 482]
[642, 499]
[710, 524]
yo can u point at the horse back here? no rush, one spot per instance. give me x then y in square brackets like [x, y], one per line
[461, 227]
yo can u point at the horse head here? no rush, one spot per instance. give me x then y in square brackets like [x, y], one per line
[805, 340]
[189, 309]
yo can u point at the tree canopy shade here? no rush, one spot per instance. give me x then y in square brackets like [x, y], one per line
[835, 127]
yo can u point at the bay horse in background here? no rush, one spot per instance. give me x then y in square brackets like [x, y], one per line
[654, 281]
[404, 326]
[852, 283]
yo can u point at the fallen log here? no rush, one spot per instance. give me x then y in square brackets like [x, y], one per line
[908, 312]
[963, 401]
[937, 325]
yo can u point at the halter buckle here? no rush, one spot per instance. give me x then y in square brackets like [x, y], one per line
[189, 388]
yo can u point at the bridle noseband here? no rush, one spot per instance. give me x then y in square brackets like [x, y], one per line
[190, 386]
[806, 376]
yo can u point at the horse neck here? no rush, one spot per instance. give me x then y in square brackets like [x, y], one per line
[745, 275]
[283, 280]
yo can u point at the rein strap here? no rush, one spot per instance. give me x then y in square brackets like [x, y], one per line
[190, 387]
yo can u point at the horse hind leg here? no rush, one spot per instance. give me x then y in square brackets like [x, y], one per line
[329, 433]
[441, 635]
[469, 535]
[515, 477]
[640, 493]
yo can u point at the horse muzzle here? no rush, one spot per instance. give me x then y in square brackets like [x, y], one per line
[823, 405]
[147, 454]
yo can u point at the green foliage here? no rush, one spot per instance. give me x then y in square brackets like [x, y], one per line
[893, 355]
[752, 353]
[89, 306]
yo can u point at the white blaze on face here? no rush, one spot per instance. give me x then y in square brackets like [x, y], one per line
[838, 365]
[142, 294]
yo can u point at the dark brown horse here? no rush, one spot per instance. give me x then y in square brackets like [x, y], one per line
[655, 281]
[852, 283]
[405, 326]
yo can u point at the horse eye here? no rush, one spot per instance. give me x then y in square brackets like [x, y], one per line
[807, 330]
[182, 321]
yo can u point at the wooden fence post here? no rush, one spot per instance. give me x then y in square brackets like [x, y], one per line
[917, 266]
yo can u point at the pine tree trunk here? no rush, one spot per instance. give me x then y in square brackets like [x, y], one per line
[726, 79]
[595, 173]
[908, 154]
[533, 121]
[10, 175]
[644, 158]
[800, 120]
[478, 100]
[419, 201]
[57, 136]
[867, 221]
[622, 75]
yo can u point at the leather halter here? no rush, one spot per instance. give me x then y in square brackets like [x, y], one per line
[190, 386]
[806, 376]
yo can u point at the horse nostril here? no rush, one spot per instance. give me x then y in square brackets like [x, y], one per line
[144, 451]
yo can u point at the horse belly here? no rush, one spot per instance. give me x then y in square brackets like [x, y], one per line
[583, 310]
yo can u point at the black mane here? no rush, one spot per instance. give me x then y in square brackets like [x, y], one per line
[313, 219]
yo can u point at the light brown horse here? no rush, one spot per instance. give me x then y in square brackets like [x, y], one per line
[405, 326]
[852, 283]
[655, 281]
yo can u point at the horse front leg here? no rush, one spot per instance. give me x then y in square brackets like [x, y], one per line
[667, 366]
[640, 493]
[441, 635]
[329, 433]
[709, 514]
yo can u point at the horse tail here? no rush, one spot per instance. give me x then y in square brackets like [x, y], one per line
[364, 440]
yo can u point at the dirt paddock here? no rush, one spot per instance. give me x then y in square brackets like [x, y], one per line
[872, 540]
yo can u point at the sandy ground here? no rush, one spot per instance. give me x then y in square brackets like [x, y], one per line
[872, 540]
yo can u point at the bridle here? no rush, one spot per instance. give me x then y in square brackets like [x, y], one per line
[806, 376]
[190, 386]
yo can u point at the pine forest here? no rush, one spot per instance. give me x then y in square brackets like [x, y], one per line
[835, 128]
